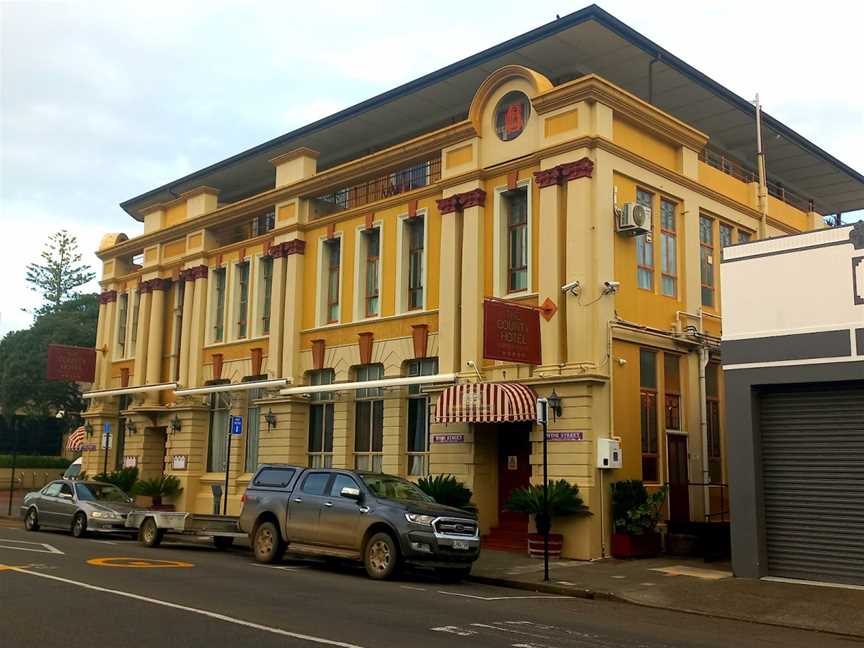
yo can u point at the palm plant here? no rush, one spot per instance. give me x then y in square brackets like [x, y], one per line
[158, 487]
[124, 479]
[447, 490]
[564, 499]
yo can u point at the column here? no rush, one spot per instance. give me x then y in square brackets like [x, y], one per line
[107, 307]
[153, 373]
[579, 260]
[449, 286]
[551, 250]
[141, 335]
[186, 326]
[294, 253]
[199, 321]
[471, 331]
[277, 301]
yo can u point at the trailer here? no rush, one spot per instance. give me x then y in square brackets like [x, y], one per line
[153, 526]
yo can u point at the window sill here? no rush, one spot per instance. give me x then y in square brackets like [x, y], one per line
[372, 320]
[216, 345]
[518, 295]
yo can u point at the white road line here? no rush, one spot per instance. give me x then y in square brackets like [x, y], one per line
[108, 542]
[184, 608]
[413, 589]
[454, 630]
[43, 547]
[279, 567]
[502, 598]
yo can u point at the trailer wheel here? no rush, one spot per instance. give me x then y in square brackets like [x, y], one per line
[150, 535]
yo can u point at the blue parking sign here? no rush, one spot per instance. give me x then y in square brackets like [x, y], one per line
[236, 425]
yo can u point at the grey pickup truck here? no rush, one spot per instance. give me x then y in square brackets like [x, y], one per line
[381, 520]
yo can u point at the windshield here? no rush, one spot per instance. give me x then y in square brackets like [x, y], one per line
[395, 488]
[101, 493]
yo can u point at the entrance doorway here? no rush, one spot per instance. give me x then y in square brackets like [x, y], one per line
[514, 471]
[679, 491]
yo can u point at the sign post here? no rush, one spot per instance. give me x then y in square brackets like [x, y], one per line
[235, 427]
[106, 443]
[543, 419]
[16, 424]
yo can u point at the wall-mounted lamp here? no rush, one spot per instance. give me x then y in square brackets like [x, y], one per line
[554, 401]
[176, 424]
[88, 429]
[130, 425]
[270, 418]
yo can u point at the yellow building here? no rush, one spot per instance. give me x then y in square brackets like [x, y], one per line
[363, 247]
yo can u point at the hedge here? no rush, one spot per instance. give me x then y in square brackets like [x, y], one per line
[34, 461]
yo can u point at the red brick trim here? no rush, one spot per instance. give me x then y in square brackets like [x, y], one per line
[583, 168]
[295, 246]
[548, 178]
[458, 202]
[108, 296]
[448, 205]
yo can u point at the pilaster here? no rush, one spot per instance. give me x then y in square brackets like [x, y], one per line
[142, 334]
[186, 327]
[153, 372]
[471, 330]
[551, 250]
[450, 284]
[293, 253]
[199, 321]
[277, 308]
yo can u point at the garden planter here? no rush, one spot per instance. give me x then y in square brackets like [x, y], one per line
[535, 545]
[625, 545]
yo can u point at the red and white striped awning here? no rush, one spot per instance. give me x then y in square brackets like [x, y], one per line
[486, 403]
[76, 439]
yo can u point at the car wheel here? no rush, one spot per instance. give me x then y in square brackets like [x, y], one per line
[149, 534]
[453, 574]
[222, 542]
[31, 520]
[79, 525]
[381, 557]
[267, 543]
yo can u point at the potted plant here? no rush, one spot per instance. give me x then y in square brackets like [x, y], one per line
[564, 499]
[447, 490]
[635, 513]
[157, 488]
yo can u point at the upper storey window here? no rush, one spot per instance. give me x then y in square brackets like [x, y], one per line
[516, 205]
[368, 302]
[328, 287]
[219, 305]
[263, 223]
[511, 115]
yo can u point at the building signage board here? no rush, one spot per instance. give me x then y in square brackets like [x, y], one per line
[560, 435]
[236, 425]
[511, 332]
[76, 364]
[448, 438]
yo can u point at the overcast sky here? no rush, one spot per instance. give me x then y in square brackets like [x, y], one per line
[102, 101]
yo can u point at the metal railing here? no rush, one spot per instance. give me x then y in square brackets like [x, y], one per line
[413, 176]
[721, 514]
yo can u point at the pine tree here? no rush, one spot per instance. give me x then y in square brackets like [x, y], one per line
[61, 272]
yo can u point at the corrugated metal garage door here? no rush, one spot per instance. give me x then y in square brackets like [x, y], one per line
[813, 481]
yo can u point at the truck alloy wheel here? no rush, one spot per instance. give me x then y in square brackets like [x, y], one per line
[267, 543]
[381, 556]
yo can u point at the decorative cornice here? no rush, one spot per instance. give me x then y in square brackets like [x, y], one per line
[548, 177]
[574, 170]
[460, 201]
[145, 287]
[448, 205]
[191, 274]
[295, 246]
[160, 284]
[107, 296]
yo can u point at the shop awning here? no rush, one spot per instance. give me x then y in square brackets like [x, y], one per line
[486, 403]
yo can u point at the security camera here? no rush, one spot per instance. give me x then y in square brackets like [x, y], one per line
[60, 414]
[574, 288]
[611, 287]
[470, 363]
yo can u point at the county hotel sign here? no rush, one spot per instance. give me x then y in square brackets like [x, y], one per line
[511, 332]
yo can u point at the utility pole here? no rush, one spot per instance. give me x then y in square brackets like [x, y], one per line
[763, 182]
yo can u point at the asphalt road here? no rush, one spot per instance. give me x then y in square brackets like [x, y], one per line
[59, 591]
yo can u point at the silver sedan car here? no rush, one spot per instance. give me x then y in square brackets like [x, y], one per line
[80, 506]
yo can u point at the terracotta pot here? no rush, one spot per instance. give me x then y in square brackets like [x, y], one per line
[535, 545]
[625, 545]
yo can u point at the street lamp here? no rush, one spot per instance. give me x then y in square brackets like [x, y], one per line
[176, 424]
[88, 428]
[554, 401]
[270, 418]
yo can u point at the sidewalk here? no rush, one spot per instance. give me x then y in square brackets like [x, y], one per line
[683, 584]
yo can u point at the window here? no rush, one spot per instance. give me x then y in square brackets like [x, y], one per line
[263, 223]
[644, 248]
[418, 417]
[715, 453]
[706, 243]
[179, 298]
[516, 206]
[371, 247]
[648, 414]
[275, 477]
[672, 381]
[122, 314]
[219, 310]
[340, 482]
[321, 421]
[725, 235]
[52, 490]
[242, 299]
[315, 483]
[266, 279]
[65, 489]
[136, 310]
[253, 429]
[369, 421]
[744, 236]
[511, 115]
[332, 259]
[668, 249]
[415, 229]
[217, 448]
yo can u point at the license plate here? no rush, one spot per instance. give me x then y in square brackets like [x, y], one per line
[460, 544]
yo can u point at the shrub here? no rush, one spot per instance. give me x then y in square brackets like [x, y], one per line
[447, 490]
[34, 461]
[158, 487]
[634, 510]
[564, 499]
[124, 479]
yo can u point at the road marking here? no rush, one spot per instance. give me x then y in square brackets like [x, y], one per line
[696, 572]
[43, 547]
[139, 563]
[279, 567]
[414, 589]
[108, 542]
[502, 598]
[184, 608]
[462, 632]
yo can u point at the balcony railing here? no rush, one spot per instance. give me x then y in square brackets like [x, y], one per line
[721, 161]
[416, 175]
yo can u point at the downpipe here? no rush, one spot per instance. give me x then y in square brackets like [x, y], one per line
[703, 426]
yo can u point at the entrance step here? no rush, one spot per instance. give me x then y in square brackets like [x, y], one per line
[509, 538]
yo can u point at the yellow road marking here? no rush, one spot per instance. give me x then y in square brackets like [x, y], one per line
[13, 567]
[139, 563]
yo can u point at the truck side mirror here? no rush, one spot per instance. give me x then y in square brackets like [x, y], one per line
[350, 493]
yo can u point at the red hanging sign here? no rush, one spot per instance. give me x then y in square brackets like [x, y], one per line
[76, 364]
[511, 332]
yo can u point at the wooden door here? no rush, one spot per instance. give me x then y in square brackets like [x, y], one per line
[514, 470]
[679, 491]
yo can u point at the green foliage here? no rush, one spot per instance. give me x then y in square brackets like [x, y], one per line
[158, 487]
[447, 490]
[61, 272]
[635, 511]
[564, 499]
[125, 479]
[34, 461]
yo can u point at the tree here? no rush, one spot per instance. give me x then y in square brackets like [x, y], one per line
[61, 273]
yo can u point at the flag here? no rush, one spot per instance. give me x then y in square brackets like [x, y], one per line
[76, 439]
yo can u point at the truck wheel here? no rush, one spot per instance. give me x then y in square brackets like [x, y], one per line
[381, 557]
[267, 543]
[149, 534]
[79, 525]
[453, 574]
[31, 520]
[222, 542]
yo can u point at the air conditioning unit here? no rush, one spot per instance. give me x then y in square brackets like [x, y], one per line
[633, 219]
